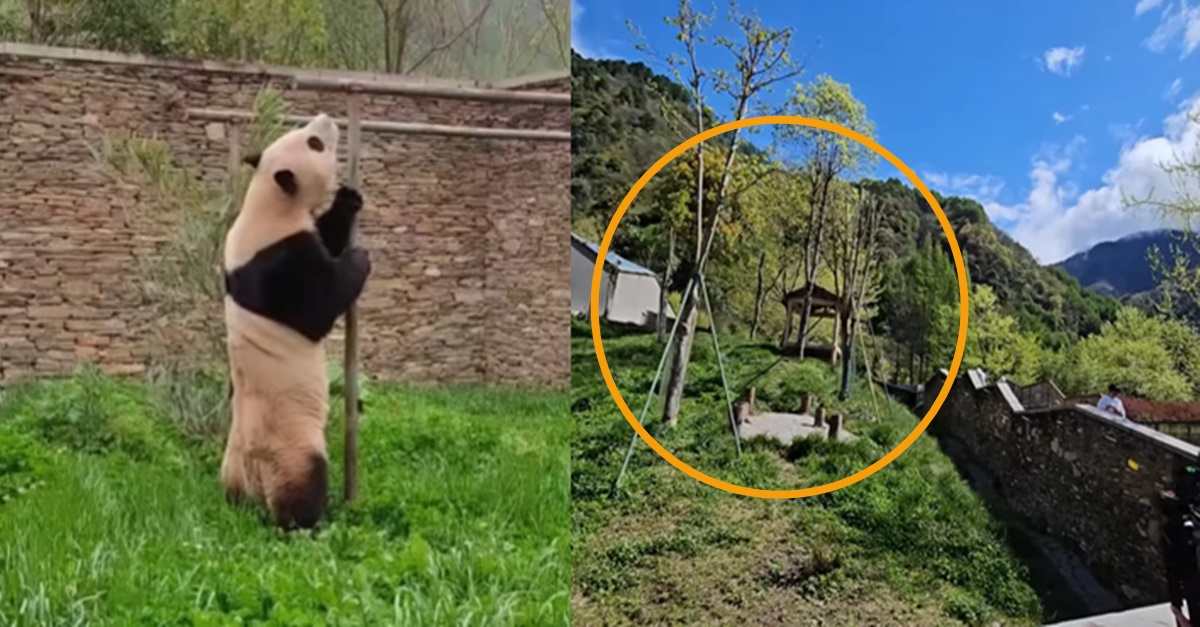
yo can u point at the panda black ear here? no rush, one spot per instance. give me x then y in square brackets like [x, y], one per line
[252, 160]
[286, 180]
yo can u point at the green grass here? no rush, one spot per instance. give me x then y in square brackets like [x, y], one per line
[910, 545]
[109, 515]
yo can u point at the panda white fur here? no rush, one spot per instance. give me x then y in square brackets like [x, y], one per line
[288, 277]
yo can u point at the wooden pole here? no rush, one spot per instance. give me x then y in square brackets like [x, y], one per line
[235, 149]
[432, 91]
[350, 365]
[235, 164]
[404, 128]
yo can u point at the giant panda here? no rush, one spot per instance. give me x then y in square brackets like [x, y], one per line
[289, 275]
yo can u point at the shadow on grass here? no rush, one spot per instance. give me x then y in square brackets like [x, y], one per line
[1060, 601]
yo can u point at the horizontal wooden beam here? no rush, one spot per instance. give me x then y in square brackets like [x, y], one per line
[431, 91]
[403, 128]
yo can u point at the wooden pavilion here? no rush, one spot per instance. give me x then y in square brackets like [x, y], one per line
[825, 304]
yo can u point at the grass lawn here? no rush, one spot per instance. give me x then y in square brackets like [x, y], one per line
[911, 545]
[109, 515]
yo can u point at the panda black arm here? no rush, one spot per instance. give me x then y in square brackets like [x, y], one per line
[298, 284]
[334, 225]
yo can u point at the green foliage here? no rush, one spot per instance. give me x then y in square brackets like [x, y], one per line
[474, 39]
[10, 25]
[88, 414]
[23, 465]
[183, 284]
[336, 376]
[624, 117]
[915, 531]
[1145, 355]
[828, 153]
[278, 32]
[141, 26]
[117, 520]
[918, 308]
[996, 344]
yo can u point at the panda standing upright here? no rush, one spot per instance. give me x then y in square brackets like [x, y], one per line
[289, 275]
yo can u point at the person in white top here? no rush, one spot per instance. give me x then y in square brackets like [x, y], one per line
[1111, 402]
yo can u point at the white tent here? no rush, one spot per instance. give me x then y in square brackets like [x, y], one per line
[629, 293]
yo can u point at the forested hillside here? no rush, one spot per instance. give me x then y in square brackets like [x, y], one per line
[625, 117]
[472, 39]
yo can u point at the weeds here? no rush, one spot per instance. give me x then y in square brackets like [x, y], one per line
[182, 283]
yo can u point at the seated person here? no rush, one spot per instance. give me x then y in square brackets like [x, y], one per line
[1111, 402]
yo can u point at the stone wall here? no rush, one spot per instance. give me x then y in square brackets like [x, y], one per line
[468, 236]
[1081, 476]
[1039, 395]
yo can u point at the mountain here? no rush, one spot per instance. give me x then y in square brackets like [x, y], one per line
[1122, 267]
[1046, 301]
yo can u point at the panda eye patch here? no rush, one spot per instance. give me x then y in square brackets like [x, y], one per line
[316, 144]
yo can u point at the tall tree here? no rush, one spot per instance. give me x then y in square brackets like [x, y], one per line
[772, 225]
[761, 59]
[855, 262]
[827, 156]
[1179, 207]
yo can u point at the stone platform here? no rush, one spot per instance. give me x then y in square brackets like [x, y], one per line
[788, 427]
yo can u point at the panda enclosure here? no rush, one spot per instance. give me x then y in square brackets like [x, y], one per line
[470, 268]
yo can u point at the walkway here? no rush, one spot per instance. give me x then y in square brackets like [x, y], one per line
[1148, 616]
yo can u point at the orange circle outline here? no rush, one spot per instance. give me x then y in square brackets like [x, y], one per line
[594, 303]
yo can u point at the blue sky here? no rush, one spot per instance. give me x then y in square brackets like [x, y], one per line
[1046, 112]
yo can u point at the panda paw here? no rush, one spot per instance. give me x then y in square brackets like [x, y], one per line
[359, 259]
[348, 199]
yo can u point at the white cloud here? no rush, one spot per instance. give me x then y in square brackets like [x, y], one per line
[1054, 221]
[1173, 89]
[578, 41]
[1146, 5]
[977, 186]
[1059, 118]
[1062, 60]
[1176, 25]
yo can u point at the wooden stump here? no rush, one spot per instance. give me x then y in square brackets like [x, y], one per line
[835, 426]
[820, 417]
[741, 412]
[806, 404]
[750, 396]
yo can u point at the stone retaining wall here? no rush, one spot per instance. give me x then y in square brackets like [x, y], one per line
[1081, 476]
[468, 236]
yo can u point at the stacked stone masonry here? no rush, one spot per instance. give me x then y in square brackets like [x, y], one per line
[1077, 475]
[468, 236]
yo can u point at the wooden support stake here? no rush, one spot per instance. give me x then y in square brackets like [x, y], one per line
[235, 156]
[235, 149]
[350, 365]
[835, 427]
